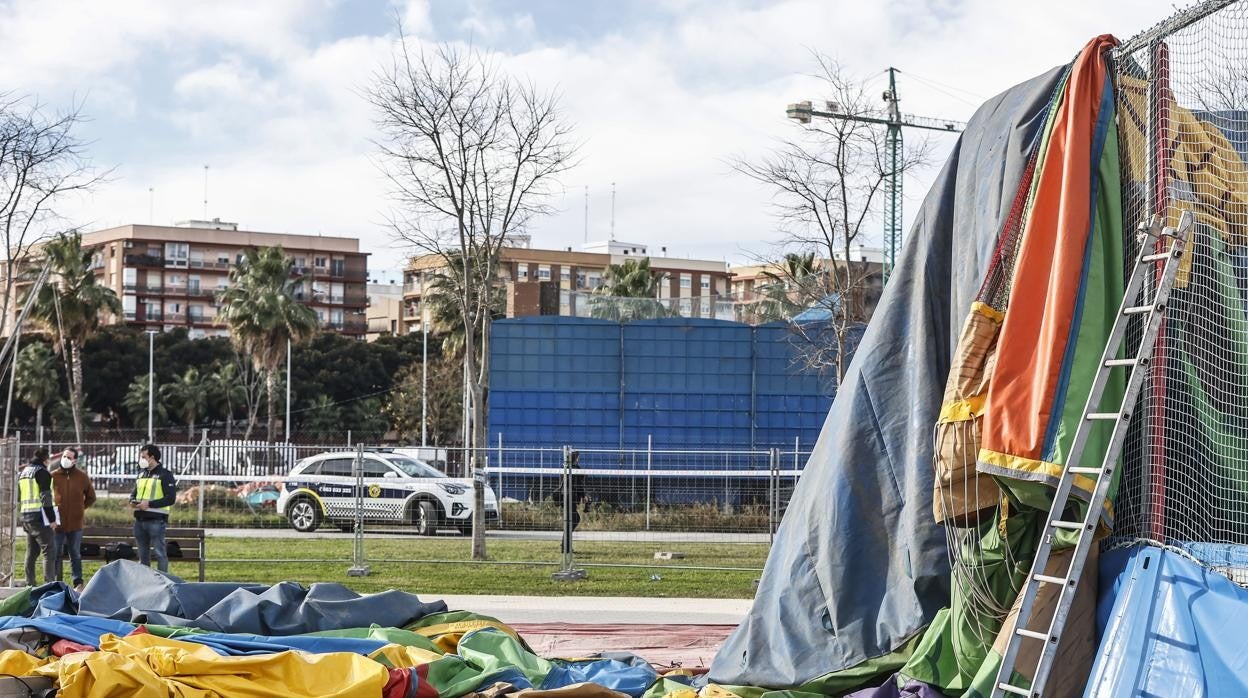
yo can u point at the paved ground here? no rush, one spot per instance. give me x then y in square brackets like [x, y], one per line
[675, 537]
[601, 609]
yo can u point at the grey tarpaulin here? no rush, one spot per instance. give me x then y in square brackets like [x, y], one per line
[859, 565]
[124, 590]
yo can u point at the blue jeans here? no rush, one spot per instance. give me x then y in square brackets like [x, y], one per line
[150, 533]
[71, 542]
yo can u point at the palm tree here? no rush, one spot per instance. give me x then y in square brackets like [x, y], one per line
[188, 396]
[226, 392]
[135, 403]
[70, 307]
[442, 297]
[793, 286]
[37, 380]
[629, 293]
[262, 314]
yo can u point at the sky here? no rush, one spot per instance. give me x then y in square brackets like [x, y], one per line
[662, 94]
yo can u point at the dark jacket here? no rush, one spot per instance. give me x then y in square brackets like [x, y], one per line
[169, 487]
[43, 480]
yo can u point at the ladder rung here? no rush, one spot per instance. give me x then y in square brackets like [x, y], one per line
[1014, 689]
[1123, 362]
[1139, 309]
[1068, 525]
[1155, 257]
[1047, 579]
[1111, 416]
[1083, 470]
[1032, 634]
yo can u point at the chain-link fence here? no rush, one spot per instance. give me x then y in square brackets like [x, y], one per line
[293, 503]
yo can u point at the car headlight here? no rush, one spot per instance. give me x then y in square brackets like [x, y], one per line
[450, 488]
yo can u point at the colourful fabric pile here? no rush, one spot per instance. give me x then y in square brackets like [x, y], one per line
[440, 653]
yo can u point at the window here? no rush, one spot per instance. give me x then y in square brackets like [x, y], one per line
[301, 262]
[706, 282]
[686, 281]
[128, 277]
[175, 308]
[313, 469]
[320, 262]
[196, 312]
[337, 266]
[336, 467]
[543, 271]
[176, 253]
[193, 283]
[375, 468]
[335, 316]
[223, 258]
[174, 279]
[128, 304]
[415, 468]
[522, 272]
[565, 273]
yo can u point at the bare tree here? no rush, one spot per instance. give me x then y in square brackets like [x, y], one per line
[828, 184]
[471, 154]
[42, 159]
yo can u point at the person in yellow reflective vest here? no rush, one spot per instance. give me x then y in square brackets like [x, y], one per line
[154, 492]
[34, 491]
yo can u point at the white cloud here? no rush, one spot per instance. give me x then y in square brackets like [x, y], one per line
[659, 105]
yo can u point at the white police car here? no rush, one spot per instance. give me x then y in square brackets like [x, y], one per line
[398, 489]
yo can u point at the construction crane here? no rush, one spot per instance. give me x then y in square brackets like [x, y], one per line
[893, 120]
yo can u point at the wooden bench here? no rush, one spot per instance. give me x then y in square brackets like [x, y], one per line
[190, 540]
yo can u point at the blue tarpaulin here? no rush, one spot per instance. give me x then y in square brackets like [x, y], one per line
[1170, 627]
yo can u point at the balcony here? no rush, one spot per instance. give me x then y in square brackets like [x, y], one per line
[129, 287]
[152, 317]
[129, 315]
[201, 319]
[151, 290]
[175, 317]
[201, 292]
[144, 260]
[208, 264]
[411, 287]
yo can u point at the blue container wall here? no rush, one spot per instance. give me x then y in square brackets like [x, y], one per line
[686, 383]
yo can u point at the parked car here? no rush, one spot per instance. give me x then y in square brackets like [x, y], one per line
[398, 489]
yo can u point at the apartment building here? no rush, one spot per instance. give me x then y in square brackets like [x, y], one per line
[748, 281]
[170, 276]
[545, 281]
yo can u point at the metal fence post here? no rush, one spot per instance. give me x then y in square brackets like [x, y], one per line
[498, 495]
[203, 480]
[774, 497]
[567, 571]
[649, 468]
[359, 567]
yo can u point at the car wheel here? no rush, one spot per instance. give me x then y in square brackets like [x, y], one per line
[425, 519]
[304, 515]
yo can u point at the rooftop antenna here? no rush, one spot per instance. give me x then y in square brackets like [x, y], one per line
[613, 211]
[587, 214]
[205, 192]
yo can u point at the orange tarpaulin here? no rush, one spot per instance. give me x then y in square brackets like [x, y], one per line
[1035, 335]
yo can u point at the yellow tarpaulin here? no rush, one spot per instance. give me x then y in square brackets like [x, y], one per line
[147, 666]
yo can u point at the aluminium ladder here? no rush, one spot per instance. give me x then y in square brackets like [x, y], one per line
[1172, 240]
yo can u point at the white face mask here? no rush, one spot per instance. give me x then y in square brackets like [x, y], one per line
[66, 463]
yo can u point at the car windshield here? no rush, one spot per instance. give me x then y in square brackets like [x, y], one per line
[414, 468]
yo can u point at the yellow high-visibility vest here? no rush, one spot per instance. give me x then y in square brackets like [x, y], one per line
[28, 492]
[148, 489]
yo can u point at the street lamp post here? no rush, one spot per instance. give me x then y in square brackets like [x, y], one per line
[287, 391]
[424, 376]
[151, 383]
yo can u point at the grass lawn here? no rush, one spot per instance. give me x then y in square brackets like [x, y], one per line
[267, 560]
